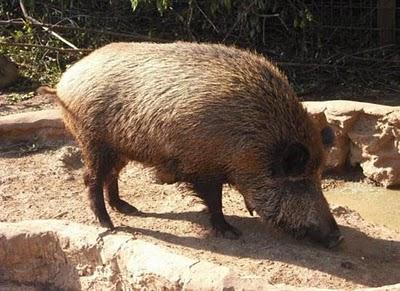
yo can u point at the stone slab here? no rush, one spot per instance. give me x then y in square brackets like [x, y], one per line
[44, 127]
[70, 256]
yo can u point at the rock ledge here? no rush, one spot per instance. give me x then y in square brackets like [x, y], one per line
[61, 255]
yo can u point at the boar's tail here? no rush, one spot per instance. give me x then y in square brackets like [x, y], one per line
[49, 92]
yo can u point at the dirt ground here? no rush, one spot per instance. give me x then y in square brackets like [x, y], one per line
[36, 103]
[48, 184]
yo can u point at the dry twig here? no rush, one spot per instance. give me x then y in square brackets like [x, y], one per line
[133, 36]
[206, 17]
[240, 17]
[33, 20]
[61, 50]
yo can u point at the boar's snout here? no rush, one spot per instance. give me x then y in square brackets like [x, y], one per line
[298, 207]
[329, 239]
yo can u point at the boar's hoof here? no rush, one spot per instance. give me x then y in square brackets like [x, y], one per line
[225, 230]
[106, 223]
[124, 207]
[334, 241]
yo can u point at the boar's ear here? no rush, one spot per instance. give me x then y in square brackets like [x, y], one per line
[295, 158]
[328, 136]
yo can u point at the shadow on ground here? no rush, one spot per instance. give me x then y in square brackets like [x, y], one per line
[359, 259]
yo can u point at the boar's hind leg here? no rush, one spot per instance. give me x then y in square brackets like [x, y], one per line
[211, 193]
[111, 189]
[97, 160]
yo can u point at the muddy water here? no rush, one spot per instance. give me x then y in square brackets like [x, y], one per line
[375, 204]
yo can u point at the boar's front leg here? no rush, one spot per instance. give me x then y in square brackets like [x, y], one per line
[211, 193]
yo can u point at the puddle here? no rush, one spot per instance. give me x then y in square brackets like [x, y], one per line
[375, 204]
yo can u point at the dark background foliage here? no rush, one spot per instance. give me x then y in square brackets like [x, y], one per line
[320, 44]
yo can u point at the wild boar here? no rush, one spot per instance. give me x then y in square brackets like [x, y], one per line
[205, 115]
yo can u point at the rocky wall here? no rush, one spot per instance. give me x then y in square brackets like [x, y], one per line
[366, 134]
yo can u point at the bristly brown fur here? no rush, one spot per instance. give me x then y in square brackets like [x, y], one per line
[45, 90]
[198, 113]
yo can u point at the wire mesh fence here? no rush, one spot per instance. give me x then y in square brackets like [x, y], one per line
[335, 40]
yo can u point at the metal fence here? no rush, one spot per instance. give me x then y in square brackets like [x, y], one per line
[362, 22]
[342, 39]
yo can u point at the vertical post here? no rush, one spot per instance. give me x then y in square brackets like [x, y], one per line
[386, 21]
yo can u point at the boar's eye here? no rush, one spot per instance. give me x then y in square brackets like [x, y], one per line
[328, 136]
[295, 158]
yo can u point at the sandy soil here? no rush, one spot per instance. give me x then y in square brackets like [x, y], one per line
[36, 103]
[48, 184]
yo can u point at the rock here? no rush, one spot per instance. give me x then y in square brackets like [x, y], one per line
[340, 210]
[341, 119]
[366, 134]
[70, 157]
[375, 139]
[347, 265]
[43, 127]
[8, 71]
[395, 287]
[60, 255]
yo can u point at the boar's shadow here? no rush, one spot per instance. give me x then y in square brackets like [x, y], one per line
[360, 259]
